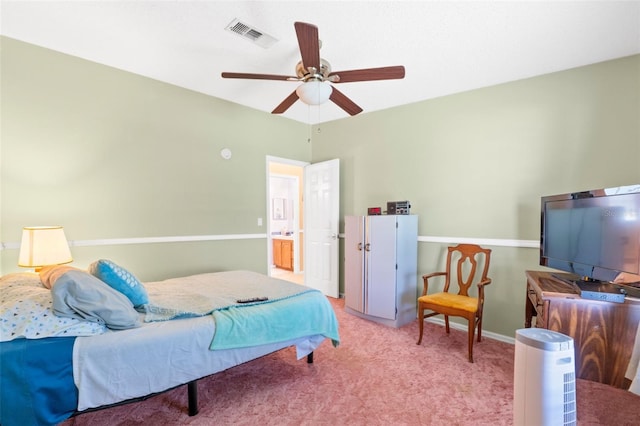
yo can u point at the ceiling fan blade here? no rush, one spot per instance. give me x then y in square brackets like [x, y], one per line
[284, 105]
[368, 74]
[343, 102]
[258, 76]
[309, 44]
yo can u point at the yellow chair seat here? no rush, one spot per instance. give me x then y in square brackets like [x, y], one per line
[469, 304]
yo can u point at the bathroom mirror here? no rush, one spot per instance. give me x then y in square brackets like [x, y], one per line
[278, 209]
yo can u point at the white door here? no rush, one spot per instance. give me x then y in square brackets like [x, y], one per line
[321, 221]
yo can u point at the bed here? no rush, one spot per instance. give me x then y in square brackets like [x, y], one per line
[63, 353]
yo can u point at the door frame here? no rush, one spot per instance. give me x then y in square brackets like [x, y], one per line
[286, 161]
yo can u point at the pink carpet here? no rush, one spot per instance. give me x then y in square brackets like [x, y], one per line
[377, 376]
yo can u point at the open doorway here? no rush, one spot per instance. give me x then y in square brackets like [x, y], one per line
[285, 218]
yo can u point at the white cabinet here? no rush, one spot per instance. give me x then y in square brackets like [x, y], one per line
[381, 262]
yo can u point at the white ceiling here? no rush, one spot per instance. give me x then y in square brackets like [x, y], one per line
[446, 46]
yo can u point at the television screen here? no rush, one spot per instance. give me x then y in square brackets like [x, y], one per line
[593, 234]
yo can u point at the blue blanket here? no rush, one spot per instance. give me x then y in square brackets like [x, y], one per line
[36, 381]
[306, 314]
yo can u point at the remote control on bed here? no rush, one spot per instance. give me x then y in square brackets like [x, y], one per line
[252, 299]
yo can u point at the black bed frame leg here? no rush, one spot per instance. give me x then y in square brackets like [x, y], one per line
[192, 390]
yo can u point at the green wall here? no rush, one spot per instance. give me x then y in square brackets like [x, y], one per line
[109, 154]
[474, 165]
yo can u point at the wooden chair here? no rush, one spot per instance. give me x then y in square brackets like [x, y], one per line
[460, 304]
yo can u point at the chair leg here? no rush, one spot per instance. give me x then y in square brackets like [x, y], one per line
[479, 329]
[471, 329]
[420, 323]
[446, 323]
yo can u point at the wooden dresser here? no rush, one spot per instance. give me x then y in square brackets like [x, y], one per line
[603, 332]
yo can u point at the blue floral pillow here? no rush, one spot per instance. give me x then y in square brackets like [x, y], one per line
[120, 279]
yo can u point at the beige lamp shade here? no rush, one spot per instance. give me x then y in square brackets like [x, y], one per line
[42, 246]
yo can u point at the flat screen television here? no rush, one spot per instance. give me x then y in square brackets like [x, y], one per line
[594, 235]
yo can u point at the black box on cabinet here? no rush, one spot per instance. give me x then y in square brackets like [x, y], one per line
[398, 207]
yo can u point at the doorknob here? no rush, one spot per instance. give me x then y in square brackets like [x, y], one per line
[367, 247]
[359, 246]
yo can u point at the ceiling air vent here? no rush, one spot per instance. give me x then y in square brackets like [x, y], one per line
[251, 33]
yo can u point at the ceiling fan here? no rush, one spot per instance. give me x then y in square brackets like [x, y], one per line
[315, 74]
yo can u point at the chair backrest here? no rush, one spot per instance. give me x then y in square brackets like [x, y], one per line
[462, 262]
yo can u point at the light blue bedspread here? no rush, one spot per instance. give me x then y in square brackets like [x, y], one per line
[303, 315]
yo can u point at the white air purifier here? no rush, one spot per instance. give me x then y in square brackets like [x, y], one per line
[544, 388]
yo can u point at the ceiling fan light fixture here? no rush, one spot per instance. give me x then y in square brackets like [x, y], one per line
[314, 92]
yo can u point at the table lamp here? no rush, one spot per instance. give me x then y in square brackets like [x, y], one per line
[43, 246]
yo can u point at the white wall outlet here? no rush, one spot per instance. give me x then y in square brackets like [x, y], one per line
[259, 221]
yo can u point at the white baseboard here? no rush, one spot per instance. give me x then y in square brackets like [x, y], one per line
[463, 327]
